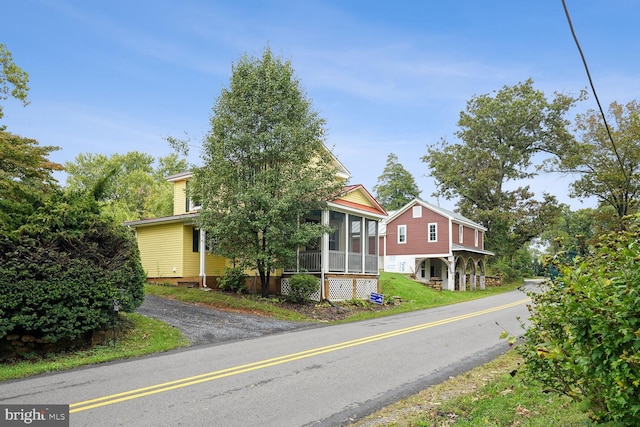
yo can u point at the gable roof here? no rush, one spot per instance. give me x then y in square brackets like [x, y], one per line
[373, 207]
[453, 216]
[341, 171]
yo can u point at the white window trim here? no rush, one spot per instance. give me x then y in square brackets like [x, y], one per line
[435, 225]
[402, 227]
[460, 233]
[417, 211]
[475, 237]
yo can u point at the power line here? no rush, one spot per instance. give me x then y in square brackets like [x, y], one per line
[593, 89]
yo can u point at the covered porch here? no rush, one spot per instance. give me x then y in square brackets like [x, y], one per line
[350, 248]
[344, 259]
[463, 269]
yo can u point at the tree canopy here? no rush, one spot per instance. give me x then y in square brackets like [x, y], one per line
[264, 167]
[500, 135]
[134, 184]
[609, 171]
[13, 80]
[26, 176]
[396, 186]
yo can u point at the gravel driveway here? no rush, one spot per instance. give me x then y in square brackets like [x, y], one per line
[203, 325]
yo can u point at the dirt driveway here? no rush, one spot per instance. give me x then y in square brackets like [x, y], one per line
[203, 325]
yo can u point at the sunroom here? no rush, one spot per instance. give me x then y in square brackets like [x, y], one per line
[345, 260]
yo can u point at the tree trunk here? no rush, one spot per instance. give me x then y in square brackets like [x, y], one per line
[264, 281]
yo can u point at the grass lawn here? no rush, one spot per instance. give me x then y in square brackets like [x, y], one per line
[488, 395]
[136, 336]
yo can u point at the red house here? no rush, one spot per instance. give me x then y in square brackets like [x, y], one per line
[434, 244]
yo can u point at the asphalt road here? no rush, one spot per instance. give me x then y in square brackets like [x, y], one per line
[323, 376]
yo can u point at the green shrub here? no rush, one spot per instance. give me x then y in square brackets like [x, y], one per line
[61, 271]
[584, 338]
[302, 286]
[234, 280]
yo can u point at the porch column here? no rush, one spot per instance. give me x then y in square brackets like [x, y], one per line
[452, 273]
[203, 248]
[462, 285]
[324, 253]
[474, 276]
[347, 242]
[364, 237]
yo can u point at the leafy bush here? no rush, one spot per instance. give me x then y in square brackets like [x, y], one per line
[584, 338]
[61, 271]
[234, 280]
[302, 286]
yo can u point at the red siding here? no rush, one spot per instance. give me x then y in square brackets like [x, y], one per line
[417, 234]
[468, 238]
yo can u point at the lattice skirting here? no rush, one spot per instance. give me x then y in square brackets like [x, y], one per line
[340, 289]
[286, 289]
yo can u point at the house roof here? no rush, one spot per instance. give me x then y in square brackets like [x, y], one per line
[456, 248]
[341, 170]
[162, 220]
[453, 216]
[375, 207]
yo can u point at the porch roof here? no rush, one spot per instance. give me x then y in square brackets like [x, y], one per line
[458, 248]
[161, 220]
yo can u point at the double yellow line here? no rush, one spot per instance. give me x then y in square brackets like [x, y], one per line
[210, 376]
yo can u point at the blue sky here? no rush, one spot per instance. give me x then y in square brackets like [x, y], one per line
[116, 76]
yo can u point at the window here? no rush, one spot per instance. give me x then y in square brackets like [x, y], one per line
[417, 211]
[337, 222]
[192, 203]
[209, 243]
[433, 232]
[355, 231]
[372, 237]
[402, 234]
[475, 237]
[460, 233]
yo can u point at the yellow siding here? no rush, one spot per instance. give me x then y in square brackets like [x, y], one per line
[180, 197]
[191, 259]
[214, 265]
[357, 196]
[160, 251]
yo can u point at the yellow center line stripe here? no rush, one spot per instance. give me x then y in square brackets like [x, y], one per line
[210, 376]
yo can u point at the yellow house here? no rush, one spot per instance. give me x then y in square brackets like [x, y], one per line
[173, 250]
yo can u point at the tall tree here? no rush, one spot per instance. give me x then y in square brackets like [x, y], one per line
[13, 80]
[609, 171]
[26, 176]
[265, 166]
[134, 183]
[396, 186]
[499, 136]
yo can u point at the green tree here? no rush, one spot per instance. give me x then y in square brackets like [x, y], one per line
[135, 186]
[574, 231]
[61, 270]
[396, 186]
[609, 172]
[583, 339]
[265, 166]
[13, 80]
[500, 136]
[26, 177]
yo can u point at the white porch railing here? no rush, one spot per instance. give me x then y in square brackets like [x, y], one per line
[311, 261]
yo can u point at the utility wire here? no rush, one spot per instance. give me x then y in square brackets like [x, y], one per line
[586, 67]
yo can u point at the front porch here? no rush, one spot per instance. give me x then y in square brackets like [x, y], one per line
[461, 271]
[345, 260]
[338, 262]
